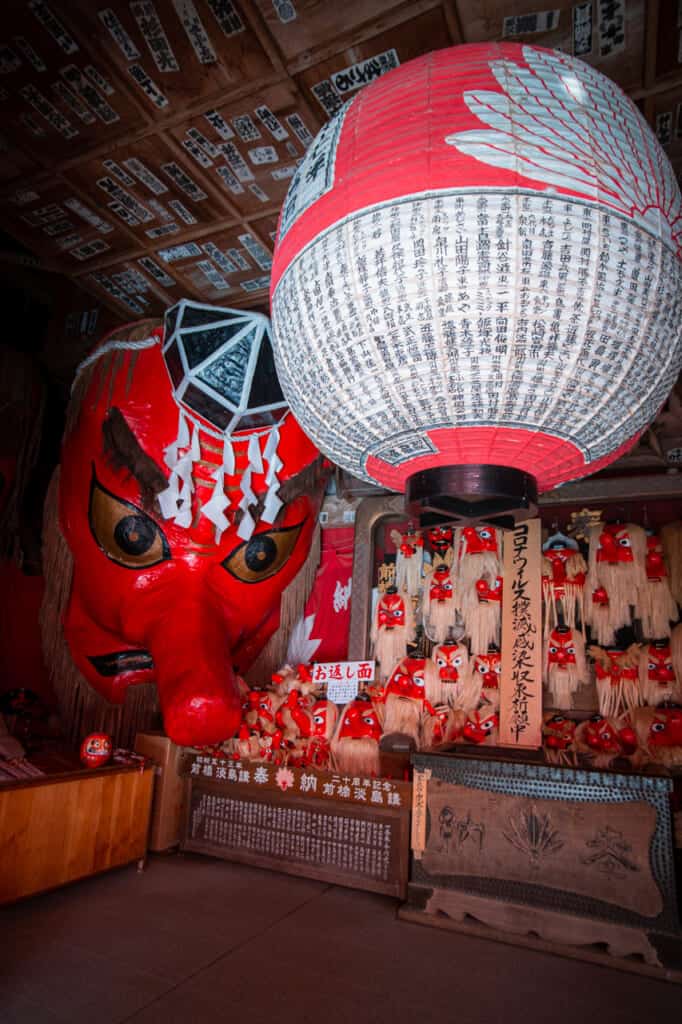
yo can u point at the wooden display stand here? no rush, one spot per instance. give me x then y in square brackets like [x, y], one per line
[352, 832]
[60, 828]
[166, 823]
[571, 861]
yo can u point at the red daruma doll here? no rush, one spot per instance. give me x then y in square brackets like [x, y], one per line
[96, 750]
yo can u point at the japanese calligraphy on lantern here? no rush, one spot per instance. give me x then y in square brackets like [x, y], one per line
[343, 679]
[521, 680]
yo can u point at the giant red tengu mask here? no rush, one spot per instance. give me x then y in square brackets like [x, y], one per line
[187, 513]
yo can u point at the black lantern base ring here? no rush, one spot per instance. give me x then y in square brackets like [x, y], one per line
[471, 495]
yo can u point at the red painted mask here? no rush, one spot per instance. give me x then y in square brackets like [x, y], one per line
[560, 649]
[154, 600]
[479, 725]
[360, 722]
[450, 659]
[440, 719]
[601, 735]
[477, 539]
[558, 732]
[409, 544]
[391, 611]
[614, 545]
[666, 730]
[660, 667]
[407, 680]
[600, 597]
[617, 670]
[655, 565]
[441, 585]
[320, 713]
[440, 539]
[490, 667]
[489, 591]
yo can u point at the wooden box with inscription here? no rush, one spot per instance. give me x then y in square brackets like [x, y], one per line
[347, 831]
[572, 861]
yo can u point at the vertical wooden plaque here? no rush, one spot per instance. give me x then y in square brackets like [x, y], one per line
[521, 681]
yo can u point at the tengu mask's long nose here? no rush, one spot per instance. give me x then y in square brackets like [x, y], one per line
[196, 685]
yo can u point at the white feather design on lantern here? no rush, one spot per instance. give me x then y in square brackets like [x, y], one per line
[560, 122]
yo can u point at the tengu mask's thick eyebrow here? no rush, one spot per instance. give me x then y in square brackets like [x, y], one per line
[123, 451]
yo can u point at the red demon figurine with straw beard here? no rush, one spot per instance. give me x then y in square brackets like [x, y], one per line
[188, 501]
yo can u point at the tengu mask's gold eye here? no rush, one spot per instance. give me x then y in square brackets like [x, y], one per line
[126, 534]
[262, 556]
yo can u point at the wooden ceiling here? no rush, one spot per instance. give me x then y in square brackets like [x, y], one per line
[146, 145]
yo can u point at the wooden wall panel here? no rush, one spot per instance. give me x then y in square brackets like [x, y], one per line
[315, 24]
[57, 223]
[527, 22]
[153, 188]
[250, 149]
[410, 39]
[226, 53]
[231, 266]
[229, 60]
[139, 287]
[54, 108]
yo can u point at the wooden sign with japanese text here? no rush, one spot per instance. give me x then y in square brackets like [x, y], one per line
[521, 679]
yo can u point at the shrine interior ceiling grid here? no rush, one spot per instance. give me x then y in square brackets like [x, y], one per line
[146, 146]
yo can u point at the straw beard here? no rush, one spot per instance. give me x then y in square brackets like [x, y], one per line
[671, 542]
[481, 621]
[462, 694]
[652, 691]
[623, 581]
[444, 733]
[642, 719]
[600, 759]
[598, 618]
[408, 572]
[572, 604]
[465, 694]
[657, 608]
[563, 681]
[676, 651]
[390, 647]
[438, 617]
[356, 757]
[402, 715]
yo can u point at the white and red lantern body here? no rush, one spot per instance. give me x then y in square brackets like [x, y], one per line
[478, 263]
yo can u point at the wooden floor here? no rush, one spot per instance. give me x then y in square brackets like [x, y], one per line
[194, 940]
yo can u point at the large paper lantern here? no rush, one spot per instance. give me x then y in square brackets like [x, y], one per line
[478, 264]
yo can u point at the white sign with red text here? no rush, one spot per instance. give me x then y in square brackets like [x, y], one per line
[343, 678]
